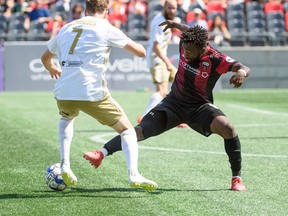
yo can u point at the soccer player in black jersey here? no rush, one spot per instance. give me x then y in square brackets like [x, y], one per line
[191, 100]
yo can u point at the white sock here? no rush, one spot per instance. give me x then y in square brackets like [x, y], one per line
[104, 151]
[130, 149]
[154, 100]
[65, 133]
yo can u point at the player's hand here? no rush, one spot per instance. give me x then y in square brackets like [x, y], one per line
[237, 79]
[170, 67]
[168, 23]
[55, 73]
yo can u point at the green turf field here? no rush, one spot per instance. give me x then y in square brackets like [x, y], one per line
[192, 171]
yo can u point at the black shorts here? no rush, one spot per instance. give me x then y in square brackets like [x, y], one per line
[169, 113]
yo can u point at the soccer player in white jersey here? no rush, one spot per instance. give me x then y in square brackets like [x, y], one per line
[161, 69]
[82, 48]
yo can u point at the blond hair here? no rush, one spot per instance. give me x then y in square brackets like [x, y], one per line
[96, 6]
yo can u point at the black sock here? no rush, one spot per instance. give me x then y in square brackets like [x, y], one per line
[233, 150]
[113, 145]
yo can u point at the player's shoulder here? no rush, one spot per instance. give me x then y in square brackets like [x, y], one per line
[215, 53]
[157, 19]
[218, 56]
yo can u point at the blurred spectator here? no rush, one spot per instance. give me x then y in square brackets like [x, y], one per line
[273, 6]
[6, 7]
[197, 4]
[77, 12]
[3, 6]
[118, 11]
[49, 2]
[66, 4]
[182, 9]
[176, 33]
[39, 13]
[61, 7]
[260, 1]
[286, 21]
[285, 5]
[219, 33]
[21, 6]
[183, 5]
[137, 7]
[55, 25]
[198, 19]
[216, 7]
[235, 2]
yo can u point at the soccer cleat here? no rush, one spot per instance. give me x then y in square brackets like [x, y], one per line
[139, 119]
[183, 125]
[95, 157]
[138, 181]
[68, 177]
[237, 184]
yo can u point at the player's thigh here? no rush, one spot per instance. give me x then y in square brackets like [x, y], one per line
[162, 88]
[159, 73]
[201, 119]
[222, 126]
[68, 108]
[106, 111]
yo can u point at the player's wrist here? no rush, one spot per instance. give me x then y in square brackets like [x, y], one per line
[243, 72]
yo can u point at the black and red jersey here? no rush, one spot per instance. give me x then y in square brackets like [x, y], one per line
[194, 81]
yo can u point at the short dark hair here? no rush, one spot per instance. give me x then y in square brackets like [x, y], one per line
[96, 6]
[196, 35]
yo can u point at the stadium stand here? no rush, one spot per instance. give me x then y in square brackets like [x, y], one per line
[276, 25]
[137, 26]
[250, 22]
[153, 9]
[236, 23]
[16, 32]
[3, 30]
[37, 32]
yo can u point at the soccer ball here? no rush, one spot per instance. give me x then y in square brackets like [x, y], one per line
[53, 178]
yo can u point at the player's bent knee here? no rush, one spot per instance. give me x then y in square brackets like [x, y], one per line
[139, 133]
[223, 127]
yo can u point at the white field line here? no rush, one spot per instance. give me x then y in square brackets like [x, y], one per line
[101, 139]
[260, 125]
[266, 112]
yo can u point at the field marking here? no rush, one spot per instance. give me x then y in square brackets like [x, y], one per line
[101, 139]
[260, 125]
[261, 111]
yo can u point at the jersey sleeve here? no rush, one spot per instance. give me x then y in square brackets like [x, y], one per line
[52, 45]
[225, 64]
[117, 38]
[159, 34]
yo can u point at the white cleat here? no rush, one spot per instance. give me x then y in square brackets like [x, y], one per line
[138, 181]
[68, 176]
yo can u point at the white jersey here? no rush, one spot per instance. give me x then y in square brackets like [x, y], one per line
[157, 34]
[83, 48]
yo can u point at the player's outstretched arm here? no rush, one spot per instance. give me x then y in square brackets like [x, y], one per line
[135, 48]
[171, 24]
